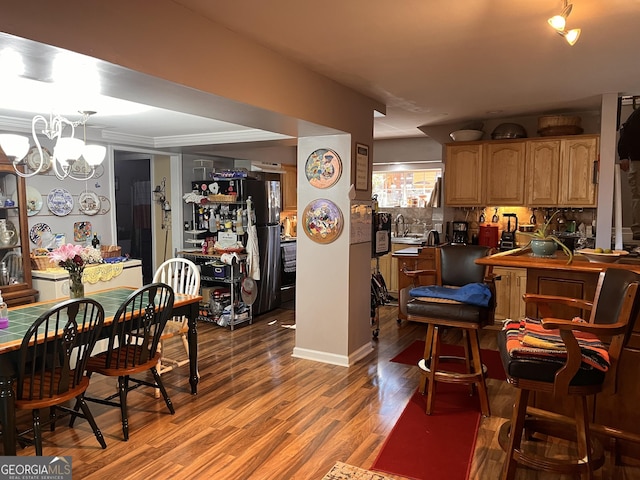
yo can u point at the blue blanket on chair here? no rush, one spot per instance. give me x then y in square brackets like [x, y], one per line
[477, 294]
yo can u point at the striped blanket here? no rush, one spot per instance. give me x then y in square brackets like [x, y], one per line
[527, 337]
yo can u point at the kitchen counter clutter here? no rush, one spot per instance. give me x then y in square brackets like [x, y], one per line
[54, 282]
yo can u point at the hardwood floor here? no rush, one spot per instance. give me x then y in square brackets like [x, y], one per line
[262, 414]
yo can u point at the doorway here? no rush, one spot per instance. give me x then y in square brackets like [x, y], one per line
[132, 173]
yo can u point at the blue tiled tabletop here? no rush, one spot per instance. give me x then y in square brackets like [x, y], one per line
[23, 316]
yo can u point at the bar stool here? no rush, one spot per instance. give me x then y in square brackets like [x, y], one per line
[455, 269]
[568, 361]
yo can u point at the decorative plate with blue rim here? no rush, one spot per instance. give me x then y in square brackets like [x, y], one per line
[60, 202]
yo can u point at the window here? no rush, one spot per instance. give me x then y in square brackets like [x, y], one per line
[410, 188]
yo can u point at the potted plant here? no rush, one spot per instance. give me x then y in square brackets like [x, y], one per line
[543, 243]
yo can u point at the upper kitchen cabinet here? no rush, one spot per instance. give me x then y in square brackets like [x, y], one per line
[463, 182]
[289, 187]
[578, 166]
[505, 170]
[560, 171]
[543, 172]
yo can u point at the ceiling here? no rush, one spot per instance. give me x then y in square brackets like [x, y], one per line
[432, 63]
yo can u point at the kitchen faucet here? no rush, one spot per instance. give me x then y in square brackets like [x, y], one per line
[405, 230]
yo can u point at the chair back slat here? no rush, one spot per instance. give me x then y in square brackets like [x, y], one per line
[137, 326]
[180, 274]
[54, 351]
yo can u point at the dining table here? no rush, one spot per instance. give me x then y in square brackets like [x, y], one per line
[23, 316]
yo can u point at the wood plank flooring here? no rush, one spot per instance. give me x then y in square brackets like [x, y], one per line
[262, 414]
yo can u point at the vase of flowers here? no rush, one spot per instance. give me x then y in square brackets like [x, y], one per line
[73, 259]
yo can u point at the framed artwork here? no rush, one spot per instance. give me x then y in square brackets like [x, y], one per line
[362, 167]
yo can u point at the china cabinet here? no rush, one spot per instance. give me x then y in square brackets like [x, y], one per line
[16, 286]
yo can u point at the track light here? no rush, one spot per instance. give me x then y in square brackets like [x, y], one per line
[559, 22]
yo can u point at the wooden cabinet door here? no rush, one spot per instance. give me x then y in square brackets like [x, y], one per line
[503, 289]
[289, 187]
[463, 182]
[504, 165]
[543, 172]
[577, 171]
[518, 289]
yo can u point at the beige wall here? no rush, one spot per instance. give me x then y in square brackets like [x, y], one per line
[161, 168]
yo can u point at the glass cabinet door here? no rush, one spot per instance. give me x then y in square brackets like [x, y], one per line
[15, 263]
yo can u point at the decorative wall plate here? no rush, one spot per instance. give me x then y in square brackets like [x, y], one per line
[34, 201]
[89, 203]
[33, 159]
[37, 230]
[322, 221]
[81, 231]
[60, 202]
[323, 168]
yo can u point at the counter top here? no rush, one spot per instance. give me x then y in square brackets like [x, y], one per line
[523, 258]
[407, 252]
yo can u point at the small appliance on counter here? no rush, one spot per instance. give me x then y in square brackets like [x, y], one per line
[508, 237]
[488, 236]
[460, 234]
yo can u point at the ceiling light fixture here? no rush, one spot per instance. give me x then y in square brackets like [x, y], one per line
[67, 151]
[559, 22]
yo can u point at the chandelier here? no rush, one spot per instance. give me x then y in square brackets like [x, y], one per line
[559, 22]
[72, 157]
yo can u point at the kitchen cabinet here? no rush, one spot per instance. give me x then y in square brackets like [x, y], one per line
[510, 288]
[560, 171]
[463, 181]
[539, 172]
[543, 172]
[14, 247]
[289, 181]
[504, 164]
[577, 170]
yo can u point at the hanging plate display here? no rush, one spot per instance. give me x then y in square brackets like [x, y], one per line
[60, 202]
[323, 168]
[34, 201]
[322, 221]
[89, 203]
[33, 159]
[37, 230]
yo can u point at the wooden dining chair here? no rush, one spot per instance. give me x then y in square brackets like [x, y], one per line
[570, 360]
[133, 347]
[52, 361]
[184, 277]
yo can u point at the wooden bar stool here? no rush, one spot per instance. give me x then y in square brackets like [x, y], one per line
[455, 269]
[566, 359]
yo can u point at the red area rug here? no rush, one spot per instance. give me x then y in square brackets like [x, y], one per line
[440, 445]
[490, 358]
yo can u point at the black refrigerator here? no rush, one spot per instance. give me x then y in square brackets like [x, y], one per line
[266, 198]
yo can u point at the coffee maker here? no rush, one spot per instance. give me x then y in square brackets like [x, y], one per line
[460, 234]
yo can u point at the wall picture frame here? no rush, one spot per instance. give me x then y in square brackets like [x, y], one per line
[363, 175]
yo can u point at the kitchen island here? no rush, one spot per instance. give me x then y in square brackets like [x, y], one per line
[616, 416]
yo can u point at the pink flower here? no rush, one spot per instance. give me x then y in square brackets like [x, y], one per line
[67, 254]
